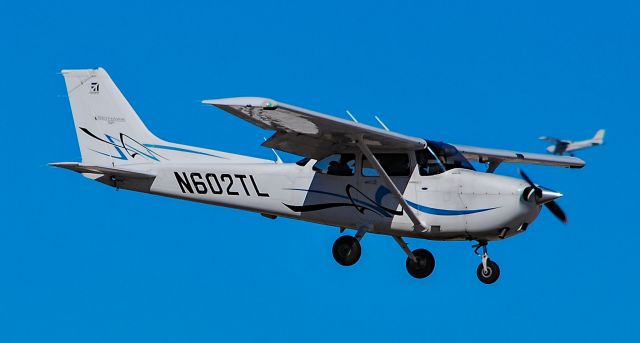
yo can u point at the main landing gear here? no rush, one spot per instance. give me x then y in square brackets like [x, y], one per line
[423, 264]
[347, 250]
[420, 263]
[488, 271]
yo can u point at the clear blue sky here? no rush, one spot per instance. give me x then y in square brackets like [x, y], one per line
[80, 262]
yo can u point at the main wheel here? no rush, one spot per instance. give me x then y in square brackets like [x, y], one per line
[424, 265]
[347, 250]
[490, 275]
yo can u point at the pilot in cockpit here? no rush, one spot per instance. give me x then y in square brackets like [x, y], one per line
[340, 167]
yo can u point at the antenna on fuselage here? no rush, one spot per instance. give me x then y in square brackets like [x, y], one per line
[381, 123]
[352, 117]
[278, 159]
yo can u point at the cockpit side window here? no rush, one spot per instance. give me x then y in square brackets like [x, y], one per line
[428, 164]
[452, 157]
[439, 157]
[337, 164]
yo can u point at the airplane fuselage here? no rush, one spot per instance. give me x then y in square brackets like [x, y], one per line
[563, 148]
[459, 204]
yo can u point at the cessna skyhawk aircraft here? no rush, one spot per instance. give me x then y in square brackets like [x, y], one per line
[353, 176]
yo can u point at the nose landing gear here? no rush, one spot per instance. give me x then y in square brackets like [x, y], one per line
[488, 271]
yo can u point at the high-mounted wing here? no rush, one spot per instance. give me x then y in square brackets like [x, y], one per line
[311, 134]
[485, 155]
[315, 135]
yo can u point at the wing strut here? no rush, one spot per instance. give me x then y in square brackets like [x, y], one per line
[493, 165]
[417, 224]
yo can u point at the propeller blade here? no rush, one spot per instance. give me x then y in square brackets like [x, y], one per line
[551, 205]
[557, 211]
[537, 189]
[526, 178]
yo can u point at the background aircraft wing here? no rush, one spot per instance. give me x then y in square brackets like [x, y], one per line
[484, 155]
[311, 134]
[553, 140]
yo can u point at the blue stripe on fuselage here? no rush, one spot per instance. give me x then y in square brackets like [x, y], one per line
[443, 212]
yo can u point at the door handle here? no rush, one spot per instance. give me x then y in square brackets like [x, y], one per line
[371, 182]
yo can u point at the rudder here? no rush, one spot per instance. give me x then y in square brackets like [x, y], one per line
[599, 137]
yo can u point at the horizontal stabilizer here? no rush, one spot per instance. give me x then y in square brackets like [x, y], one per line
[109, 171]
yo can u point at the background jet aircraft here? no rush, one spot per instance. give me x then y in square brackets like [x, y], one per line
[562, 146]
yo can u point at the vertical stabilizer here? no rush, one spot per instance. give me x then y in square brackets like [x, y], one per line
[109, 130]
[599, 137]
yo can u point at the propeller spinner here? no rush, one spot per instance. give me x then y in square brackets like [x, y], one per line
[543, 196]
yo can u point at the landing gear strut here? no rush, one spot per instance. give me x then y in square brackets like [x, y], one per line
[488, 271]
[347, 250]
[420, 262]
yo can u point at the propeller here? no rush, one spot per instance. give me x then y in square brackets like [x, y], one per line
[543, 196]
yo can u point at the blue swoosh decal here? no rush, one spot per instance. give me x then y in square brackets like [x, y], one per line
[444, 212]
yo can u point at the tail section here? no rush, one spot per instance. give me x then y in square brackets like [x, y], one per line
[599, 137]
[110, 133]
[109, 130]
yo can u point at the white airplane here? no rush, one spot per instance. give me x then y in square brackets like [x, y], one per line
[353, 176]
[561, 146]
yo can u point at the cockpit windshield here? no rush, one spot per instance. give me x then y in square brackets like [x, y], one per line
[439, 157]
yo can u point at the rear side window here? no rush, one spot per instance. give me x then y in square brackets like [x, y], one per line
[393, 165]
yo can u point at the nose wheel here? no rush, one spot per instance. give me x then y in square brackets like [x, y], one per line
[488, 271]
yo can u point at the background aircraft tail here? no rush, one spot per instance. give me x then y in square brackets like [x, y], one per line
[110, 133]
[599, 137]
